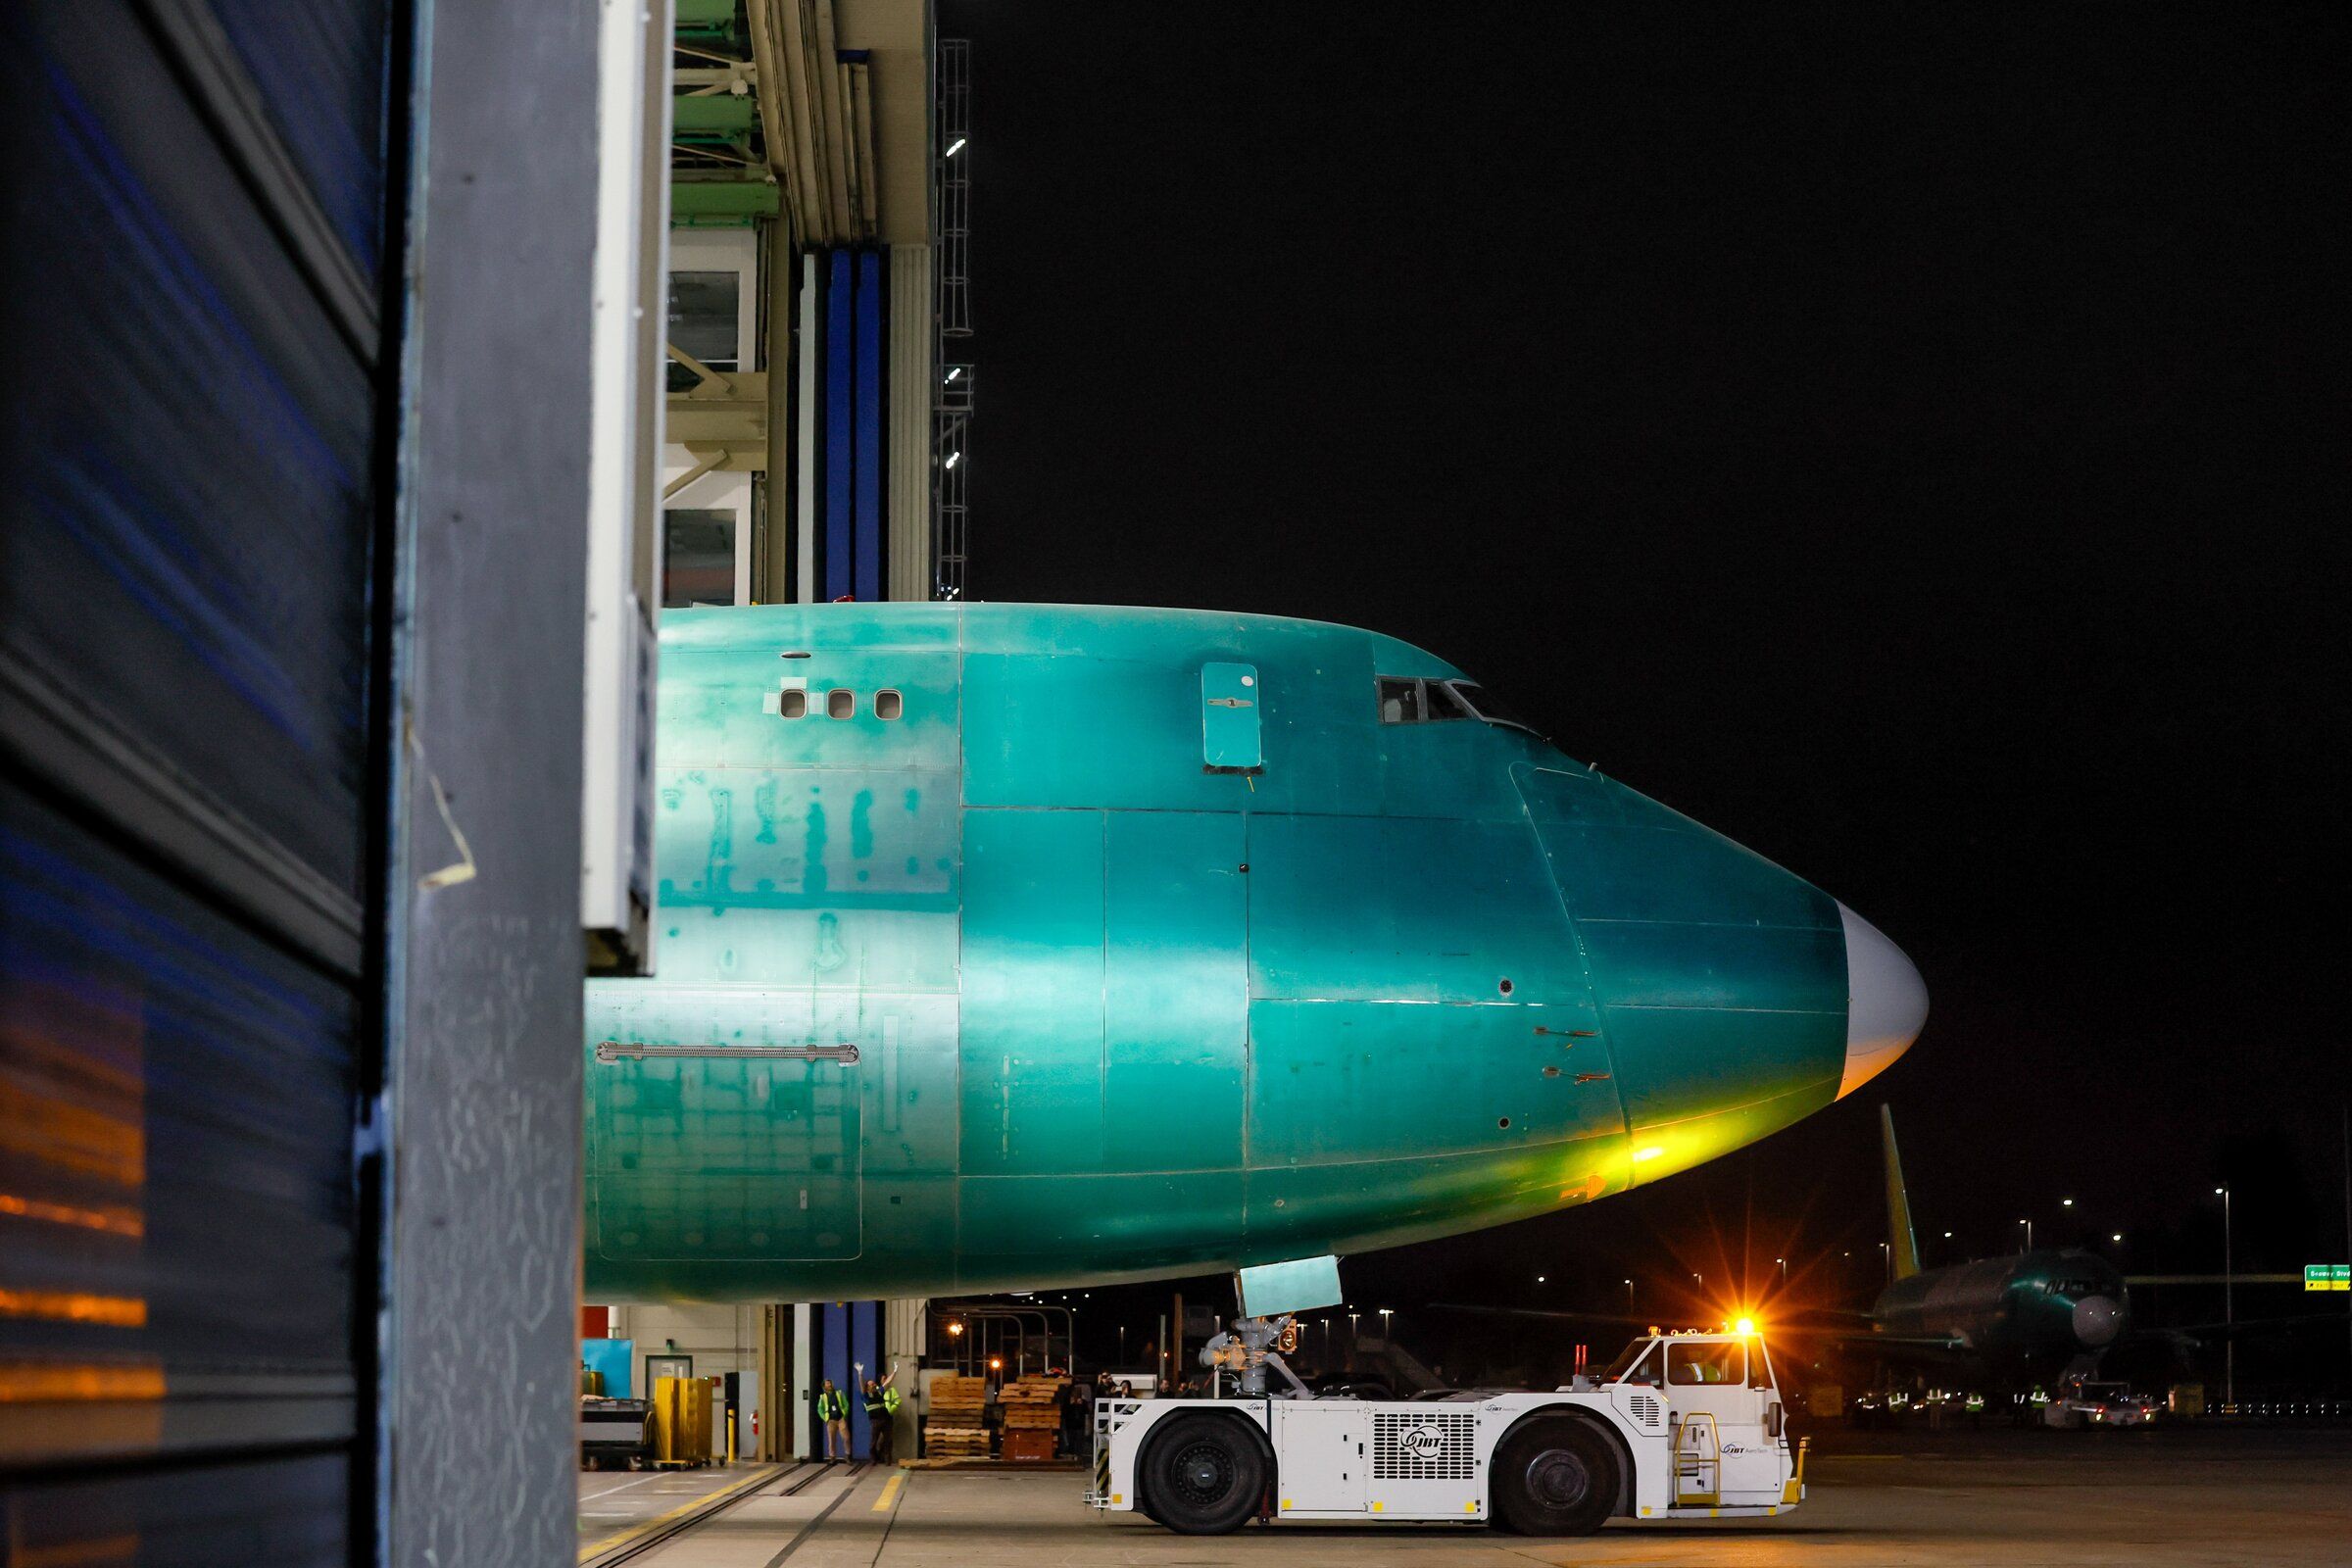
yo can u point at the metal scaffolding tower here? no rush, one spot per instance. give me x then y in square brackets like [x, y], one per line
[951, 404]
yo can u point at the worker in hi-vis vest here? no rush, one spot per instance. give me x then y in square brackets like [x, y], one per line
[881, 1409]
[833, 1409]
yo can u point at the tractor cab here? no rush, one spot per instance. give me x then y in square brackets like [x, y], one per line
[1725, 1420]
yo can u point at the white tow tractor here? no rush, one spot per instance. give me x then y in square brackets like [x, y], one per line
[1682, 1426]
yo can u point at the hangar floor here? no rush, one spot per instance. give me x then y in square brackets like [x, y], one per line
[2022, 1498]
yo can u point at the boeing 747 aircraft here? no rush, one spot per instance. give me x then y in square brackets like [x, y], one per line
[1005, 945]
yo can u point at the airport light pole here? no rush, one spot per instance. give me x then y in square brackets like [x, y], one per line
[2228, 1305]
[1629, 1295]
[2028, 1225]
[1385, 1314]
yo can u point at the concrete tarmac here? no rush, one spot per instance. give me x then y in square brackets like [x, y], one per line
[2093, 1499]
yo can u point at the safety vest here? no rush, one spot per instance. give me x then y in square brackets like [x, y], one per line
[884, 1404]
[834, 1406]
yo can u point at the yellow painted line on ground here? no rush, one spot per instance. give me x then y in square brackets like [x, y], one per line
[640, 1531]
[890, 1492]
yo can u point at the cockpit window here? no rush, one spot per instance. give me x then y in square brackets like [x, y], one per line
[1443, 704]
[1405, 701]
[1399, 701]
[1488, 706]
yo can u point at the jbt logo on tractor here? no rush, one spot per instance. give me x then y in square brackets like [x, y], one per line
[1422, 1442]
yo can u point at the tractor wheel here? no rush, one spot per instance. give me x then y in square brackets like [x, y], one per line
[1203, 1475]
[1555, 1476]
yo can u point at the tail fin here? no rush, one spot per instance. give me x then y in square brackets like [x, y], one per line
[1899, 1204]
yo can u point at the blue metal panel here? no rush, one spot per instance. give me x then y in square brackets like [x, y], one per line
[866, 1357]
[840, 453]
[833, 1357]
[1229, 712]
[616, 1359]
[869, 427]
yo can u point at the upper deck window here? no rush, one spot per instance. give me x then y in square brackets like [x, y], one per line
[1399, 701]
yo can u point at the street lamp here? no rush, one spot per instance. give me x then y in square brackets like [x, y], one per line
[2228, 1305]
[2028, 1225]
[1385, 1314]
[1629, 1295]
[1784, 1262]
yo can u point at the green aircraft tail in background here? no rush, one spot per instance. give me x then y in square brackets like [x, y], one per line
[1899, 1234]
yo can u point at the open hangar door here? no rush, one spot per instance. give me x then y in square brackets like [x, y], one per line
[294, 389]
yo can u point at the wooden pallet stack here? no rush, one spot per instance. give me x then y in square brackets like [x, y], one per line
[1032, 1416]
[953, 1428]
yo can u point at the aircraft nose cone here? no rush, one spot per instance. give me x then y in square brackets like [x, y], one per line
[1886, 1002]
[2098, 1319]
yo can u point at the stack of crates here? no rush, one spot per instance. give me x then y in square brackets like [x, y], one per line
[1032, 1416]
[956, 1428]
[681, 1421]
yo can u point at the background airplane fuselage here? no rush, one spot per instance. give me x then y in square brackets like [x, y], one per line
[2022, 1317]
[1126, 1006]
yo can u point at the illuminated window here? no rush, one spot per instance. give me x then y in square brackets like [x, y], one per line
[1707, 1365]
[841, 702]
[889, 703]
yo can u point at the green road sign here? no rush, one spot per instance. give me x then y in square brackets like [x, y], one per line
[2328, 1276]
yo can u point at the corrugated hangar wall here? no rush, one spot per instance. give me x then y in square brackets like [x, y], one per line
[191, 801]
[289, 949]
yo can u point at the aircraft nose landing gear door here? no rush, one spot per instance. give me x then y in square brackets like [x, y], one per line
[1724, 1455]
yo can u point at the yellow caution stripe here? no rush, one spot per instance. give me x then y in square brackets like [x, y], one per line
[890, 1492]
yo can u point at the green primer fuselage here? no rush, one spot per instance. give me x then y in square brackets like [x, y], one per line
[1126, 1004]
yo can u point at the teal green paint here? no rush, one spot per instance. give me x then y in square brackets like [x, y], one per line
[1270, 1289]
[1175, 999]
[1120, 1015]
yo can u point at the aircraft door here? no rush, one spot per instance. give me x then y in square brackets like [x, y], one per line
[1724, 1455]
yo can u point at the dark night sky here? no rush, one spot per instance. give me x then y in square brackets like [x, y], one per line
[1910, 440]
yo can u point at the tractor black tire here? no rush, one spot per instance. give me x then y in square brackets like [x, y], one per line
[1555, 1476]
[1202, 1475]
